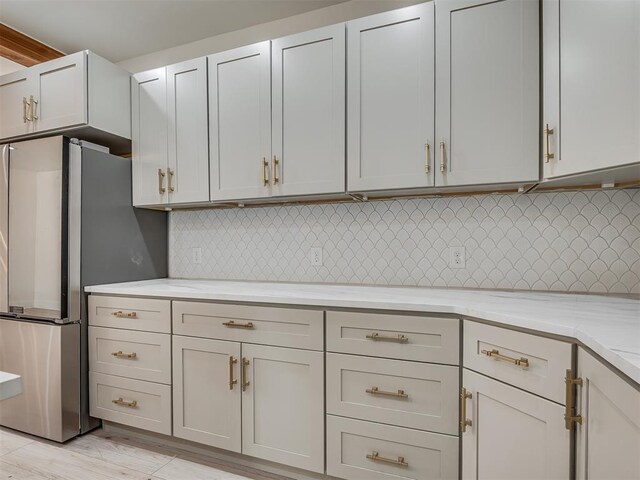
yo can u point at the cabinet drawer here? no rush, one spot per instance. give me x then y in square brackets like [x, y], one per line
[150, 315]
[286, 327]
[136, 403]
[423, 339]
[140, 355]
[407, 394]
[542, 361]
[352, 446]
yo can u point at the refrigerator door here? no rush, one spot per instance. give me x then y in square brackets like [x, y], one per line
[4, 228]
[38, 183]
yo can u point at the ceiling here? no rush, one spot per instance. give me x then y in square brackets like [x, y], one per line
[122, 29]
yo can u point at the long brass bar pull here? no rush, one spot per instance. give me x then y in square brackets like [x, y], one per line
[25, 104]
[569, 411]
[375, 456]
[170, 173]
[121, 354]
[377, 391]
[547, 154]
[245, 382]
[443, 162]
[33, 108]
[232, 362]
[121, 314]
[427, 158]
[464, 421]
[161, 188]
[122, 403]
[521, 362]
[274, 167]
[265, 175]
[233, 324]
[383, 338]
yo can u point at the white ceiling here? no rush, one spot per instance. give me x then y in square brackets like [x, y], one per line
[122, 29]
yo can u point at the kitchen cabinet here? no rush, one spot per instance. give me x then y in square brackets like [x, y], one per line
[608, 437]
[240, 122]
[509, 433]
[390, 111]
[591, 75]
[15, 91]
[487, 92]
[308, 113]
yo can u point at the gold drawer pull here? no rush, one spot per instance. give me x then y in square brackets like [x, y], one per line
[274, 167]
[427, 159]
[521, 362]
[121, 314]
[170, 174]
[233, 324]
[265, 175]
[33, 108]
[25, 107]
[569, 410]
[547, 154]
[377, 391]
[232, 362]
[464, 421]
[398, 338]
[121, 354]
[443, 161]
[161, 176]
[375, 456]
[245, 382]
[122, 403]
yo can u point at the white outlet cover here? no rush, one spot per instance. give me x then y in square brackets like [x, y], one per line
[457, 257]
[315, 255]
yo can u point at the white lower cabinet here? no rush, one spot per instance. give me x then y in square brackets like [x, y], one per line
[511, 434]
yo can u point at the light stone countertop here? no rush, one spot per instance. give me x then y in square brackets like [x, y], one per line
[10, 385]
[610, 326]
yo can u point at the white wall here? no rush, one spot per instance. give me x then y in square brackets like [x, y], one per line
[298, 23]
[7, 66]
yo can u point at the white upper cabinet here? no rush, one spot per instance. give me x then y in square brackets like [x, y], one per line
[240, 122]
[591, 85]
[390, 89]
[487, 92]
[15, 89]
[188, 158]
[308, 113]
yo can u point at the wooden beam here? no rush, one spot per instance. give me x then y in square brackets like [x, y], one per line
[24, 50]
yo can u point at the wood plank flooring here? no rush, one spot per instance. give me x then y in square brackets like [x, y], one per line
[102, 456]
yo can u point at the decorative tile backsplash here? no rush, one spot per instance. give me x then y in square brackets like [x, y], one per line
[586, 241]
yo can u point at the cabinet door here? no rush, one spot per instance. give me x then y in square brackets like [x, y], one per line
[283, 406]
[149, 137]
[391, 99]
[309, 112]
[608, 440]
[188, 168]
[591, 78]
[240, 122]
[513, 434]
[487, 92]
[206, 391]
[15, 89]
[60, 88]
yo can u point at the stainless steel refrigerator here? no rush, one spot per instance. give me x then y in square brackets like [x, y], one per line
[66, 221]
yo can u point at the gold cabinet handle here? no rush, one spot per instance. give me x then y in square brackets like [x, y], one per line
[33, 108]
[521, 362]
[464, 421]
[121, 314]
[265, 175]
[569, 410]
[377, 391]
[232, 362]
[245, 382]
[382, 338]
[161, 188]
[547, 154]
[443, 162]
[233, 324]
[427, 158]
[170, 174]
[121, 354]
[274, 167]
[122, 403]
[25, 117]
[375, 456]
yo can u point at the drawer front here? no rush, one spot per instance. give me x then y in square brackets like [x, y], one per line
[285, 327]
[149, 315]
[136, 403]
[423, 339]
[542, 362]
[360, 450]
[139, 355]
[406, 394]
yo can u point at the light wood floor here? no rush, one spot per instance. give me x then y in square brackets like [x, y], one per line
[102, 456]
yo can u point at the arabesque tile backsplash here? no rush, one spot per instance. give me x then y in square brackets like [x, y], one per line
[586, 241]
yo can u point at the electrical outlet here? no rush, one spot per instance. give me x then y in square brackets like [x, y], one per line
[456, 257]
[315, 255]
[196, 255]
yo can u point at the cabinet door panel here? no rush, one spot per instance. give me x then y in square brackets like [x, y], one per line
[309, 112]
[206, 407]
[487, 91]
[240, 122]
[188, 133]
[149, 136]
[514, 434]
[391, 99]
[15, 88]
[283, 406]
